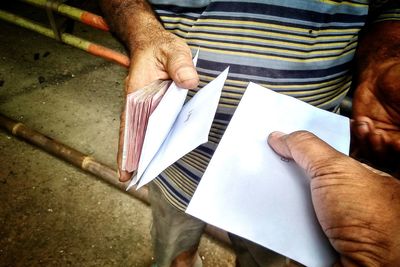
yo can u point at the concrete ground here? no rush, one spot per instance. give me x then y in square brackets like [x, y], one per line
[51, 213]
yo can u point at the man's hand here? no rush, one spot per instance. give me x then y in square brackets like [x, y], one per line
[376, 103]
[358, 210]
[162, 56]
[376, 110]
[154, 52]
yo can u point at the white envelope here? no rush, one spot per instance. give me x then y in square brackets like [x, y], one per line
[173, 132]
[250, 191]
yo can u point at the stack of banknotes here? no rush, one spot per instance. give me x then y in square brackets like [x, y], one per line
[139, 106]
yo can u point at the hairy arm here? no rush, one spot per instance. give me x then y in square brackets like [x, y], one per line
[132, 20]
[155, 53]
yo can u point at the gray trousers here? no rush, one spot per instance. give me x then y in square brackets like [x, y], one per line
[172, 231]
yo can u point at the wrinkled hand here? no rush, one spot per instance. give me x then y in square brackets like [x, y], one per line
[376, 111]
[376, 102]
[358, 210]
[161, 55]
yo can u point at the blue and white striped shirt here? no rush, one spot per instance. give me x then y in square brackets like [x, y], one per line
[301, 48]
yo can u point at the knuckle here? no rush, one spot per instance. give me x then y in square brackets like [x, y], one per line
[301, 137]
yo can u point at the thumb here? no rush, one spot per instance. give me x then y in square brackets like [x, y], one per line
[305, 148]
[124, 176]
[182, 71]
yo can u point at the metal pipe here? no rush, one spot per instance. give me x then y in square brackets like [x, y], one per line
[62, 151]
[86, 163]
[74, 13]
[92, 48]
[68, 154]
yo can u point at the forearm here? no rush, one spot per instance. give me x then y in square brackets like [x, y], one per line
[132, 20]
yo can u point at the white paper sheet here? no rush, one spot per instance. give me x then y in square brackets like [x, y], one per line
[190, 129]
[160, 124]
[250, 191]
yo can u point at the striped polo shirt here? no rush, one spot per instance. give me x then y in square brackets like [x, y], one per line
[301, 48]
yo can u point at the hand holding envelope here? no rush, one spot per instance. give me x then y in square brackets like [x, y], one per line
[240, 163]
[140, 104]
[175, 128]
[166, 58]
[268, 201]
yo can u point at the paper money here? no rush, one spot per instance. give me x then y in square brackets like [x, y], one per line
[139, 106]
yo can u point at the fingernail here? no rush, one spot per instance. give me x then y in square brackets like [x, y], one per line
[277, 134]
[362, 126]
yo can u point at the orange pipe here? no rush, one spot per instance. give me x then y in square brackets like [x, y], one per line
[94, 21]
[108, 54]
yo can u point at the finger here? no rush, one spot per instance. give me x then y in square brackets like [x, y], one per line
[124, 176]
[140, 77]
[277, 141]
[378, 140]
[144, 69]
[182, 71]
[306, 149]
[362, 126]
